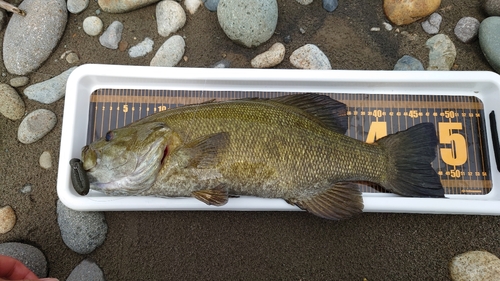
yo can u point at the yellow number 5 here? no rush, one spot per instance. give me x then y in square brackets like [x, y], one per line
[457, 154]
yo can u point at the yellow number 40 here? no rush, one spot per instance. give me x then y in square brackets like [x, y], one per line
[457, 154]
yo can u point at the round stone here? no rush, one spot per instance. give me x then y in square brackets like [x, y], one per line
[270, 58]
[36, 125]
[408, 11]
[489, 39]
[492, 7]
[19, 81]
[310, 56]
[211, 5]
[475, 265]
[304, 2]
[11, 104]
[170, 17]
[170, 53]
[7, 219]
[77, 6]
[45, 160]
[92, 25]
[467, 29]
[248, 22]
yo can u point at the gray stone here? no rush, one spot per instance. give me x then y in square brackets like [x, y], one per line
[112, 36]
[222, 64]
[330, 5]
[30, 256]
[77, 6]
[82, 232]
[72, 58]
[408, 63]
[11, 104]
[19, 81]
[122, 6]
[475, 266]
[170, 17]
[36, 125]
[211, 5]
[432, 24]
[492, 7]
[87, 270]
[141, 49]
[38, 33]
[50, 90]
[310, 56]
[248, 22]
[489, 39]
[304, 2]
[442, 52]
[92, 25]
[467, 29]
[170, 53]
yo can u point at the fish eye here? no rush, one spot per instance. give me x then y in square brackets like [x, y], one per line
[109, 136]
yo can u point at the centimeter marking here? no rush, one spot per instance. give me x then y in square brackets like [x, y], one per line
[462, 155]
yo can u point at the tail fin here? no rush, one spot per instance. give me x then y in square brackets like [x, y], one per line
[411, 153]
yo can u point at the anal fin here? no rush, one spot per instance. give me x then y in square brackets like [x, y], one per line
[341, 201]
[216, 196]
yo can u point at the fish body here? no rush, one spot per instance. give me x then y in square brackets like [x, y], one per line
[292, 147]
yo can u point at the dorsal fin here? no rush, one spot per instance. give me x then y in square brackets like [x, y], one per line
[320, 108]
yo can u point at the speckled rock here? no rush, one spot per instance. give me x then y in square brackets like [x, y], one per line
[122, 6]
[112, 36]
[408, 11]
[170, 53]
[7, 219]
[30, 256]
[432, 24]
[475, 266]
[467, 29]
[170, 17]
[270, 58]
[442, 52]
[92, 25]
[492, 7]
[50, 90]
[77, 6]
[192, 5]
[37, 42]
[248, 22]
[82, 232]
[408, 63]
[304, 2]
[19, 81]
[45, 160]
[36, 125]
[87, 270]
[11, 104]
[310, 56]
[489, 39]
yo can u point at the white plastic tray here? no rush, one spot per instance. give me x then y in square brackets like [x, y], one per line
[88, 78]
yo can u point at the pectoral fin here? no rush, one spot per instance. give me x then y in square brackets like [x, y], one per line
[216, 196]
[343, 200]
[204, 152]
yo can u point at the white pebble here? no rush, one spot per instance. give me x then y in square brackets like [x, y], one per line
[387, 26]
[142, 48]
[304, 2]
[170, 53]
[77, 6]
[192, 5]
[170, 17]
[92, 25]
[310, 56]
[26, 189]
[375, 29]
[36, 125]
[270, 58]
[475, 266]
[7, 219]
[45, 160]
[11, 104]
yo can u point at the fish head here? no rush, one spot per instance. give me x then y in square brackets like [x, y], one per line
[126, 161]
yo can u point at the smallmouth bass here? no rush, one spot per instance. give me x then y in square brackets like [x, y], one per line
[292, 147]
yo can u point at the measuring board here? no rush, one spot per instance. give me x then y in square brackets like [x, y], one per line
[462, 159]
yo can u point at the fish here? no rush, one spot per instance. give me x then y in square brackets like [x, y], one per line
[292, 147]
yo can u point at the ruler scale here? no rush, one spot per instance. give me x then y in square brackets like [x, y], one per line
[462, 154]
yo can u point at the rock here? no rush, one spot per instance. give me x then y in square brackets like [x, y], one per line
[492, 7]
[45, 160]
[112, 36]
[408, 11]
[122, 6]
[92, 25]
[170, 17]
[192, 5]
[432, 24]
[26, 189]
[19, 81]
[467, 29]
[170, 53]
[30, 256]
[87, 270]
[330, 5]
[7, 219]
[122, 46]
[475, 266]
[41, 29]
[248, 22]
[36, 125]
[141, 49]
[72, 58]
[387, 26]
[222, 64]
[442, 52]
[489, 39]
[11, 104]
[82, 232]
[408, 63]
[50, 90]
[77, 6]
[310, 56]
[304, 2]
[270, 58]
[211, 5]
